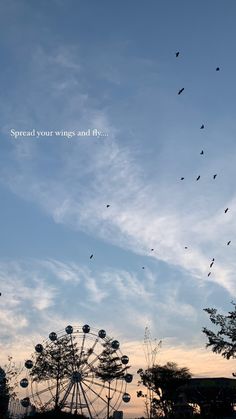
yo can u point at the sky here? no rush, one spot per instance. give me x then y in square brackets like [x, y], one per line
[110, 67]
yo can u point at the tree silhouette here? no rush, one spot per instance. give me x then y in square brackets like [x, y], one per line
[56, 361]
[110, 368]
[8, 383]
[164, 382]
[224, 340]
[9, 374]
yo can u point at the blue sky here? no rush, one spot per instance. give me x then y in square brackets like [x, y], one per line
[111, 66]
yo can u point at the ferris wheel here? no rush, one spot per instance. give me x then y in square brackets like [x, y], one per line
[79, 370]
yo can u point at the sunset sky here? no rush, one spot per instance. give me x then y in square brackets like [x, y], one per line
[111, 66]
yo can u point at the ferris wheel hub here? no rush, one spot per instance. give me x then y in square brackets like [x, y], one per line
[76, 377]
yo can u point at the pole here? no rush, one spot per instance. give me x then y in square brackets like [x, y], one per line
[108, 398]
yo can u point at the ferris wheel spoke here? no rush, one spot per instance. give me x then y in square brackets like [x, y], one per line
[81, 351]
[85, 398]
[79, 396]
[98, 395]
[53, 398]
[106, 387]
[72, 398]
[90, 352]
[88, 366]
[49, 402]
[91, 384]
[76, 398]
[62, 402]
[91, 402]
[37, 393]
[73, 353]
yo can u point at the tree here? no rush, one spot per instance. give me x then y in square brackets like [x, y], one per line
[224, 340]
[163, 381]
[9, 378]
[56, 361]
[8, 383]
[109, 368]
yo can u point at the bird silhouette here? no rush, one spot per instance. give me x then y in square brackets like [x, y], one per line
[211, 264]
[182, 178]
[198, 177]
[226, 210]
[177, 54]
[202, 152]
[228, 243]
[186, 247]
[91, 256]
[180, 91]
[202, 126]
[213, 259]
[152, 250]
[209, 273]
[214, 176]
[143, 267]
[108, 205]
[217, 68]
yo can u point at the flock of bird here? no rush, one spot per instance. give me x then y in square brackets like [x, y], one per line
[182, 178]
[198, 177]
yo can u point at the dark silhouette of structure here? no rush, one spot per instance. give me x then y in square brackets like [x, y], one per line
[216, 397]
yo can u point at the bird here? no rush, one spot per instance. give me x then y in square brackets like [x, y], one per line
[202, 152]
[180, 91]
[202, 126]
[152, 250]
[182, 178]
[213, 259]
[228, 243]
[211, 264]
[217, 68]
[209, 273]
[143, 267]
[108, 205]
[186, 247]
[91, 256]
[214, 176]
[177, 54]
[198, 177]
[226, 210]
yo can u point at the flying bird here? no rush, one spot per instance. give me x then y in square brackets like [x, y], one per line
[182, 178]
[209, 274]
[213, 259]
[202, 126]
[228, 243]
[177, 54]
[180, 91]
[202, 152]
[226, 210]
[198, 177]
[152, 250]
[217, 68]
[214, 176]
[143, 267]
[186, 247]
[108, 205]
[211, 264]
[91, 256]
